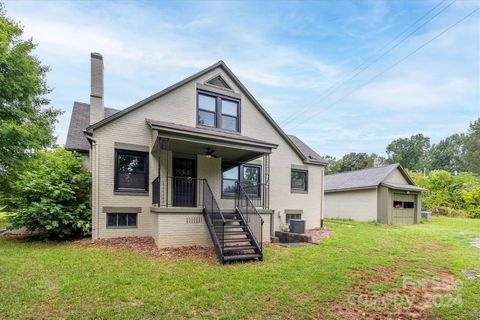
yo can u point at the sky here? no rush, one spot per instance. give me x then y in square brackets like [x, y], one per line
[343, 76]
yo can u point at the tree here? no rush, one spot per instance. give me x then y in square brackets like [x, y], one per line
[333, 166]
[455, 195]
[26, 124]
[354, 161]
[472, 147]
[411, 153]
[374, 160]
[449, 154]
[51, 195]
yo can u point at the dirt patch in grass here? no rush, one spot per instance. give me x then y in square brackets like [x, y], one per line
[319, 234]
[147, 247]
[429, 247]
[412, 301]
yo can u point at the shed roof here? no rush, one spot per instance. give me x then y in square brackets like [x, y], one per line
[365, 179]
[79, 121]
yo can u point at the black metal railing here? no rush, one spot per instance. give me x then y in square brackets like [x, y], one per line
[156, 191]
[249, 212]
[215, 215]
[255, 192]
[177, 192]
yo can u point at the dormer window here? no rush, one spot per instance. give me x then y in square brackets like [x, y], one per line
[218, 111]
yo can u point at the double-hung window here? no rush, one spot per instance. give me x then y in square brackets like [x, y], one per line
[131, 171]
[218, 111]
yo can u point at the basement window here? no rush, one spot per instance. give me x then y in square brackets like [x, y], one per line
[292, 216]
[121, 220]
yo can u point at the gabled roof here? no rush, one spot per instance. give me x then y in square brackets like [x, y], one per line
[307, 152]
[364, 179]
[79, 120]
[223, 66]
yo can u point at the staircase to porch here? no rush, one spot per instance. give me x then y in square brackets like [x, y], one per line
[237, 236]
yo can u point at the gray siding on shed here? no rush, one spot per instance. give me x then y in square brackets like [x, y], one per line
[383, 205]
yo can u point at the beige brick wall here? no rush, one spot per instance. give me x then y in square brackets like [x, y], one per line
[179, 106]
[189, 229]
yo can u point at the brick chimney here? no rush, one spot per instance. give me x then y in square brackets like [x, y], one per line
[97, 112]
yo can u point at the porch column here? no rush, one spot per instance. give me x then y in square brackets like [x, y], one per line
[163, 171]
[266, 180]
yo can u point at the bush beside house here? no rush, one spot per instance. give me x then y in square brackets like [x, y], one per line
[51, 195]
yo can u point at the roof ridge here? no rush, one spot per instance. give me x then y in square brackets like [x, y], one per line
[364, 169]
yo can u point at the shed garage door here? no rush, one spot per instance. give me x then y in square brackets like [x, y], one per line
[403, 209]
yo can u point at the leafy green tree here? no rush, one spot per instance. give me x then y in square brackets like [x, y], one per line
[51, 195]
[449, 154]
[375, 160]
[26, 124]
[354, 161]
[472, 147]
[411, 153]
[333, 166]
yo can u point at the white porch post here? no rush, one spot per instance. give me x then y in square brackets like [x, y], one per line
[266, 181]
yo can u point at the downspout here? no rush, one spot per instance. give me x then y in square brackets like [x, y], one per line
[322, 199]
[95, 203]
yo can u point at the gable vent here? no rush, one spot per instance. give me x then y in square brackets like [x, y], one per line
[219, 82]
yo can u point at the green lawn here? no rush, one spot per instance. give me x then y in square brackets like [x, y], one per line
[55, 280]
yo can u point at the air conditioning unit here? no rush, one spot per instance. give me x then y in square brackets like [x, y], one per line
[297, 226]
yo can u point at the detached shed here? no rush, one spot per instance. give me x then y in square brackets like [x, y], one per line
[384, 194]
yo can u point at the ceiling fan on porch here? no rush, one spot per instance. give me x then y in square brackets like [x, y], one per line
[210, 153]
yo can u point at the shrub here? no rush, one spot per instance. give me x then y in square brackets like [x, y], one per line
[51, 196]
[451, 195]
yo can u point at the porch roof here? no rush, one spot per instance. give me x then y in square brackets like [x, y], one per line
[193, 140]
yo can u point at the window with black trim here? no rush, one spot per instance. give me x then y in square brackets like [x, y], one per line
[131, 171]
[299, 180]
[121, 220]
[218, 111]
[249, 176]
[292, 216]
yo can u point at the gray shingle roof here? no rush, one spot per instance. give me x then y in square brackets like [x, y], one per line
[361, 179]
[214, 133]
[79, 121]
[307, 152]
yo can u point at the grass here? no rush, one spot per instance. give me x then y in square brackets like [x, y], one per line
[60, 280]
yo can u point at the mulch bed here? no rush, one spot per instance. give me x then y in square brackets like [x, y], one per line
[412, 301]
[146, 246]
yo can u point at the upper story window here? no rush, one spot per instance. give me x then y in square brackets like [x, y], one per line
[299, 180]
[218, 111]
[131, 171]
